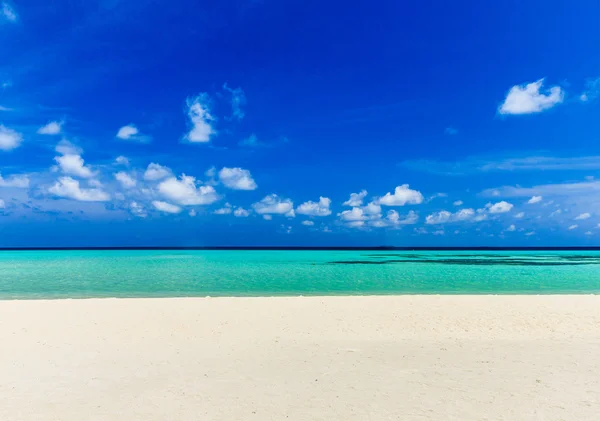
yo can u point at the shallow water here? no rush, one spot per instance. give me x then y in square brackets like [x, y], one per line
[168, 273]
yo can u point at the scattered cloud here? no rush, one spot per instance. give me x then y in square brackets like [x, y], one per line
[15, 180]
[529, 99]
[9, 138]
[52, 128]
[592, 90]
[225, 210]
[166, 207]
[572, 227]
[451, 131]
[238, 101]
[500, 207]
[583, 216]
[520, 215]
[353, 215]
[137, 210]
[402, 195]
[443, 217]
[356, 199]
[320, 208]
[201, 119]
[131, 132]
[241, 213]
[308, 223]
[530, 233]
[71, 162]
[534, 199]
[511, 228]
[7, 13]
[237, 179]
[126, 180]
[121, 160]
[273, 204]
[156, 172]
[69, 188]
[458, 203]
[561, 189]
[183, 191]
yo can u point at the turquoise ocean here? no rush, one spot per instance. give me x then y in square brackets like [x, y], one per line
[169, 273]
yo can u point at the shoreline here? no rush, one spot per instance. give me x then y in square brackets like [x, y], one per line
[417, 357]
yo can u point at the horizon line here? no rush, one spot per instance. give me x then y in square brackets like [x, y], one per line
[308, 248]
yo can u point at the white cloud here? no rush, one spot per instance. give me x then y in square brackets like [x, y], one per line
[308, 223]
[563, 189]
[8, 13]
[74, 165]
[583, 216]
[192, 212]
[500, 207]
[402, 195]
[393, 218]
[184, 191]
[225, 210]
[530, 233]
[2, 204]
[156, 172]
[273, 204]
[9, 138]
[267, 217]
[589, 233]
[52, 128]
[527, 99]
[126, 180]
[70, 188]
[137, 210]
[320, 208]
[458, 203]
[511, 228]
[356, 199]
[166, 207]
[592, 90]
[201, 119]
[520, 215]
[534, 199]
[15, 180]
[237, 179]
[353, 215]
[122, 160]
[443, 217]
[238, 101]
[241, 213]
[572, 227]
[127, 132]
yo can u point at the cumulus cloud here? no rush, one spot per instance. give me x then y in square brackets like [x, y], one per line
[237, 179]
[402, 195]
[320, 208]
[308, 223]
[166, 207]
[238, 101]
[443, 217]
[583, 216]
[241, 213]
[572, 227]
[511, 228]
[52, 128]
[121, 160]
[69, 188]
[520, 215]
[15, 180]
[592, 90]
[9, 138]
[500, 207]
[126, 180]
[7, 13]
[273, 204]
[353, 215]
[137, 210]
[534, 199]
[528, 98]
[393, 218]
[156, 172]
[225, 210]
[201, 119]
[356, 199]
[73, 164]
[458, 203]
[183, 191]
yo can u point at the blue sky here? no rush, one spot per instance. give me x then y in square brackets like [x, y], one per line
[299, 123]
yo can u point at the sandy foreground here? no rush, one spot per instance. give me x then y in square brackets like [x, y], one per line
[320, 358]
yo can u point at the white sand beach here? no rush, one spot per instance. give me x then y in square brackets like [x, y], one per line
[320, 358]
